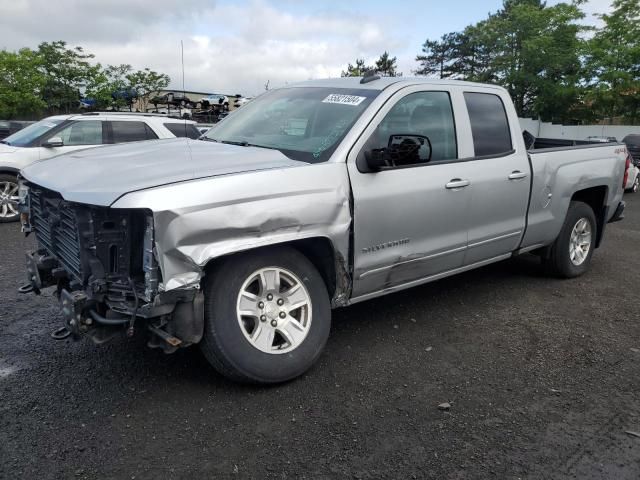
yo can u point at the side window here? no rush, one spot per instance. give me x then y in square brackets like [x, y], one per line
[489, 124]
[84, 132]
[124, 131]
[423, 113]
[188, 130]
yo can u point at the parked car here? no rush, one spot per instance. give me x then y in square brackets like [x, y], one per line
[633, 179]
[65, 133]
[241, 101]
[9, 127]
[172, 98]
[597, 139]
[319, 195]
[209, 100]
[633, 145]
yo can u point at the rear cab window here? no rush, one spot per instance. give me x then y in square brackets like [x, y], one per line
[187, 130]
[489, 124]
[131, 131]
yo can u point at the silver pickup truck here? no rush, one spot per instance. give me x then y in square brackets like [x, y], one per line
[311, 197]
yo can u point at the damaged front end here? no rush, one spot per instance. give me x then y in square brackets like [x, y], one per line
[104, 266]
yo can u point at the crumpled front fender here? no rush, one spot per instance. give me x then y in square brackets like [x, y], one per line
[198, 221]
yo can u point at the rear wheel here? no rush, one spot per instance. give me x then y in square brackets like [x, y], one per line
[8, 198]
[267, 316]
[570, 255]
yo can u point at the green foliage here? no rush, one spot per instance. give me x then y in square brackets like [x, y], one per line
[529, 48]
[147, 83]
[613, 61]
[65, 72]
[54, 77]
[385, 65]
[21, 84]
[357, 70]
[547, 59]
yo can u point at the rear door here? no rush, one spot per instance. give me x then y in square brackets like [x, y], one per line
[410, 221]
[500, 178]
[123, 131]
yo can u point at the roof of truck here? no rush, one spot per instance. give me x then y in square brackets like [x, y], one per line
[383, 82]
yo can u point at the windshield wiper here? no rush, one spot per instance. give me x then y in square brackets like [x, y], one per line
[242, 143]
[5, 142]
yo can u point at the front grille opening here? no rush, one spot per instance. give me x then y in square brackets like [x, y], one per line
[113, 258]
[108, 225]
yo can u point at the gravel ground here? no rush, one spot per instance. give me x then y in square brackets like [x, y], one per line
[543, 378]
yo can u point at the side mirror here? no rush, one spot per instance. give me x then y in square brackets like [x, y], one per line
[53, 142]
[401, 150]
[376, 159]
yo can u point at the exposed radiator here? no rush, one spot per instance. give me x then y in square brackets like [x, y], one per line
[56, 228]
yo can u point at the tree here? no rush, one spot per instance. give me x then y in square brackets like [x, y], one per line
[532, 50]
[66, 72]
[613, 63]
[117, 86]
[387, 65]
[106, 86]
[147, 83]
[357, 70]
[438, 56]
[21, 84]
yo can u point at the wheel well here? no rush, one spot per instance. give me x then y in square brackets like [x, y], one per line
[8, 171]
[319, 250]
[594, 197]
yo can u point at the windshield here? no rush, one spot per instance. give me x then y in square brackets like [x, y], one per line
[304, 123]
[24, 137]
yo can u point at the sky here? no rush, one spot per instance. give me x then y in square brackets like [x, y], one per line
[237, 46]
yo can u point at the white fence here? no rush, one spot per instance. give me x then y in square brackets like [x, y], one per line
[575, 132]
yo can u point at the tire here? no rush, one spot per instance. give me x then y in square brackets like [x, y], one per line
[233, 345]
[562, 262]
[636, 185]
[8, 198]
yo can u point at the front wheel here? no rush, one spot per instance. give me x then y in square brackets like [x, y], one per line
[8, 198]
[636, 185]
[267, 316]
[570, 255]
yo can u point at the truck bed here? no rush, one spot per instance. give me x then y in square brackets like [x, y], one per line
[560, 170]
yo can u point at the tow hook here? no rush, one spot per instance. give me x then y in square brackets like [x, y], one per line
[61, 333]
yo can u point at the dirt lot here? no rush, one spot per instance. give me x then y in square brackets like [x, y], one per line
[543, 378]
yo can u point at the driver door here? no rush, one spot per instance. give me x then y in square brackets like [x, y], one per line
[410, 221]
[75, 136]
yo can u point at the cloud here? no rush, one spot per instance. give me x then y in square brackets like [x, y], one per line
[235, 47]
[227, 48]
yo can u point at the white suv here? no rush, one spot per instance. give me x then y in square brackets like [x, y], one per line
[65, 133]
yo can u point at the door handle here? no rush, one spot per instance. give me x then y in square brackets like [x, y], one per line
[517, 175]
[457, 183]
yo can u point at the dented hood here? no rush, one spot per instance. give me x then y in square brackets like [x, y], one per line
[99, 176]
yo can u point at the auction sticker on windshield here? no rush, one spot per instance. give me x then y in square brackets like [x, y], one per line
[344, 99]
